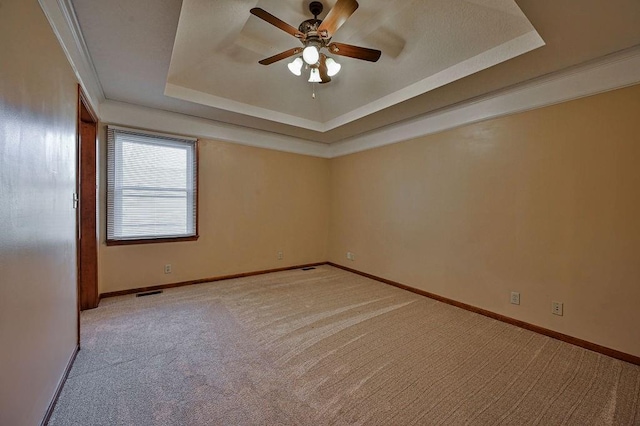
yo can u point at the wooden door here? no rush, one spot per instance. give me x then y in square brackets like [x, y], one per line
[87, 221]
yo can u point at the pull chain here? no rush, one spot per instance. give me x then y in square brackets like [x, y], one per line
[313, 94]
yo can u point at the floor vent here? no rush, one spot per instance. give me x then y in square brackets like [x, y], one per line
[309, 268]
[148, 293]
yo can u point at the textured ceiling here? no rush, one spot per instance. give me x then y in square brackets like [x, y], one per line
[426, 44]
[216, 46]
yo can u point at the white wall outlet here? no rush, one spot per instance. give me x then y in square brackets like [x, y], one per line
[349, 255]
[515, 298]
[353, 256]
[167, 268]
[556, 308]
[280, 255]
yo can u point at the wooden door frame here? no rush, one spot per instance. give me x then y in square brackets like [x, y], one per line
[85, 116]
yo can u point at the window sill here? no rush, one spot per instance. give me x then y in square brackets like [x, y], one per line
[151, 241]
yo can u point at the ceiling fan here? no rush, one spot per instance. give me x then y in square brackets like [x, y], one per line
[315, 35]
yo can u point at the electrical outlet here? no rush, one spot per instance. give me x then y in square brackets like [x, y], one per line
[515, 298]
[556, 308]
[167, 268]
[353, 256]
[349, 255]
[280, 255]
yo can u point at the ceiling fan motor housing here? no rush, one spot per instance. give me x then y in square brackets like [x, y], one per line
[310, 26]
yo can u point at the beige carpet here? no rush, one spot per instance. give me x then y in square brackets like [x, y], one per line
[324, 347]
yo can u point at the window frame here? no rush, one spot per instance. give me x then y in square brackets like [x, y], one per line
[196, 195]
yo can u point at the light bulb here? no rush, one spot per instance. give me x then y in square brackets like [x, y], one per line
[314, 77]
[332, 67]
[296, 66]
[310, 55]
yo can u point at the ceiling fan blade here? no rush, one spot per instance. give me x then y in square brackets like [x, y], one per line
[276, 22]
[324, 76]
[337, 16]
[280, 56]
[363, 53]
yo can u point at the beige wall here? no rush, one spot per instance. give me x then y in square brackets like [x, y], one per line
[545, 202]
[253, 203]
[38, 96]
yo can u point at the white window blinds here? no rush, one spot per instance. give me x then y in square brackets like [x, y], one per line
[151, 186]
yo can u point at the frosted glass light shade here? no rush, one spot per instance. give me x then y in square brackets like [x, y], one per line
[332, 67]
[296, 66]
[314, 77]
[311, 55]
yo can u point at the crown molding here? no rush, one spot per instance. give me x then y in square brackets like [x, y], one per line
[63, 21]
[611, 72]
[129, 115]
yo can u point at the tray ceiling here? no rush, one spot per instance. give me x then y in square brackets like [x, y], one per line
[426, 44]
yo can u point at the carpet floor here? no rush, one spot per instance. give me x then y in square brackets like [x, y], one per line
[328, 347]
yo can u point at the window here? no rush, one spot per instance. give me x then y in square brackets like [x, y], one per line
[152, 187]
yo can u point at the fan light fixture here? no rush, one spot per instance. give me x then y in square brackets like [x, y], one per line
[333, 67]
[311, 55]
[296, 66]
[314, 76]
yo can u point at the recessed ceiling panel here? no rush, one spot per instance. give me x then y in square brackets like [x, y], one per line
[425, 44]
